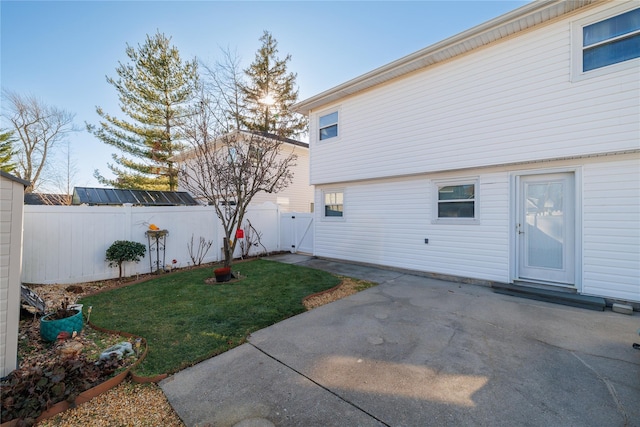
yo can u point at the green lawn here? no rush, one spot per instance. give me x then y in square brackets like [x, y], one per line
[185, 320]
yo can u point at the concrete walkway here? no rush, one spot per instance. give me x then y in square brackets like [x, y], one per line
[415, 351]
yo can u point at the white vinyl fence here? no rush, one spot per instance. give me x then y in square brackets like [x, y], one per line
[296, 232]
[68, 244]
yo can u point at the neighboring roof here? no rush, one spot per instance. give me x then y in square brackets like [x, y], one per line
[279, 138]
[14, 178]
[45, 199]
[503, 26]
[115, 196]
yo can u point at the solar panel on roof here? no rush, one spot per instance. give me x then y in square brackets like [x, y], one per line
[116, 196]
[173, 198]
[128, 197]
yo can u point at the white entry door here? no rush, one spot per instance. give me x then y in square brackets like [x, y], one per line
[546, 228]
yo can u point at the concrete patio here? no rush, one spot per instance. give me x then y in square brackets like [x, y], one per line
[415, 351]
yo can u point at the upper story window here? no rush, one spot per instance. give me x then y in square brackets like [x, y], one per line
[610, 41]
[255, 154]
[233, 154]
[328, 125]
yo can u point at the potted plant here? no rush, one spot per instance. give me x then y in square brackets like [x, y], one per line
[67, 318]
[223, 274]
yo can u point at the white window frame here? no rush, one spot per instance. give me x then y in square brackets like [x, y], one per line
[577, 48]
[440, 183]
[336, 124]
[323, 212]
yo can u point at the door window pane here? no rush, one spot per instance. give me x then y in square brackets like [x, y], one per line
[544, 231]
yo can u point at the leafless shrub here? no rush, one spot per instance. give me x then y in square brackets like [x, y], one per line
[198, 254]
[252, 237]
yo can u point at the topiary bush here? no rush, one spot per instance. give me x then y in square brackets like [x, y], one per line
[124, 250]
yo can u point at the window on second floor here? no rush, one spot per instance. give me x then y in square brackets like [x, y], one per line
[255, 154]
[610, 41]
[328, 125]
[233, 154]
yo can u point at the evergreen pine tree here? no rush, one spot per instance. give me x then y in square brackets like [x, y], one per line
[270, 92]
[154, 91]
[6, 151]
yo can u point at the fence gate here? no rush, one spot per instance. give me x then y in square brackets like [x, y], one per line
[296, 232]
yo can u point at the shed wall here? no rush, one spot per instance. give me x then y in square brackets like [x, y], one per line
[11, 196]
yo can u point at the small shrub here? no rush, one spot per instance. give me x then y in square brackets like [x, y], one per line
[124, 250]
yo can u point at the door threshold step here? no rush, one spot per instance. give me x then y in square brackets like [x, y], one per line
[547, 295]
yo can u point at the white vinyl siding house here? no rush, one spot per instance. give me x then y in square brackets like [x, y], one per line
[503, 108]
[297, 197]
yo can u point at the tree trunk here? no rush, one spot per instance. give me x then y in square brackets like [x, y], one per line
[228, 253]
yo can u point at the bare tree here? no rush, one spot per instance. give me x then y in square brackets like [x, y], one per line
[222, 82]
[59, 176]
[228, 169]
[39, 128]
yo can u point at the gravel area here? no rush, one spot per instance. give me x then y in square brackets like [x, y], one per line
[347, 287]
[128, 404]
[131, 404]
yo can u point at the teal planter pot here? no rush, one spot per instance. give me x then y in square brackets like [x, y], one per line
[50, 328]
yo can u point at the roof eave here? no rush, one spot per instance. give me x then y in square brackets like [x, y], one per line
[189, 153]
[14, 178]
[503, 26]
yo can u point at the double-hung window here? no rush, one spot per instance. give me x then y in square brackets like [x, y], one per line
[456, 201]
[611, 41]
[334, 204]
[328, 125]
